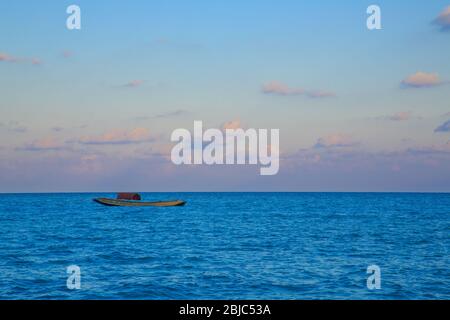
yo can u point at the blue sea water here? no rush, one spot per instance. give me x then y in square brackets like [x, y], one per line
[227, 246]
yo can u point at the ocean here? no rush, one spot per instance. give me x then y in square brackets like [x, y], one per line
[227, 246]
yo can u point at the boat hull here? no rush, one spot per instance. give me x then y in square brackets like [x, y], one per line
[128, 203]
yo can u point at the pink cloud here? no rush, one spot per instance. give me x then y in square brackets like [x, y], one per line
[36, 61]
[312, 169]
[4, 57]
[137, 135]
[421, 80]
[401, 116]
[233, 124]
[134, 83]
[87, 164]
[9, 58]
[279, 88]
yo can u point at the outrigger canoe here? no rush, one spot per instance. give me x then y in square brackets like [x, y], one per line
[129, 203]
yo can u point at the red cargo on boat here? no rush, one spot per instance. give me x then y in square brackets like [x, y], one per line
[128, 196]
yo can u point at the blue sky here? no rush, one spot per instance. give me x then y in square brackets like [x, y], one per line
[146, 68]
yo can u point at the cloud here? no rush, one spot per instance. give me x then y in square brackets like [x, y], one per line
[8, 58]
[421, 80]
[350, 169]
[312, 169]
[335, 140]
[281, 89]
[36, 61]
[320, 94]
[445, 127]
[400, 116]
[233, 125]
[85, 170]
[46, 144]
[67, 54]
[14, 126]
[18, 129]
[165, 115]
[87, 164]
[171, 114]
[134, 83]
[430, 150]
[443, 20]
[118, 137]
[4, 57]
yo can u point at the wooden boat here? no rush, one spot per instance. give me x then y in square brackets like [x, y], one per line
[129, 203]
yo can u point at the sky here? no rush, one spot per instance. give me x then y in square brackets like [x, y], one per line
[92, 110]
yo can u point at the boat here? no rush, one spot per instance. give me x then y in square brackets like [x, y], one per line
[130, 203]
[134, 200]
